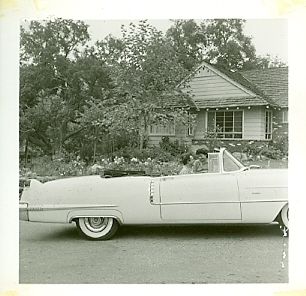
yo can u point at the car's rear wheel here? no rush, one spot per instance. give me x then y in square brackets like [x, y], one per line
[284, 216]
[97, 228]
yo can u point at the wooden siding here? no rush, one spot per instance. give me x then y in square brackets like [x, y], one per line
[180, 135]
[254, 123]
[200, 126]
[207, 84]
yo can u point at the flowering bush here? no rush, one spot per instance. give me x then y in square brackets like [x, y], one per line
[59, 166]
[156, 153]
[254, 149]
[43, 166]
[153, 161]
[149, 166]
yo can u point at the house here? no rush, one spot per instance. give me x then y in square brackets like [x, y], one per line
[234, 107]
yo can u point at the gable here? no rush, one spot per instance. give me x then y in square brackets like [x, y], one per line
[207, 83]
[212, 88]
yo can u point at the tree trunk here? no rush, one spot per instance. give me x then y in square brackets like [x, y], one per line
[26, 151]
[143, 131]
[141, 141]
[95, 145]
[94, 151]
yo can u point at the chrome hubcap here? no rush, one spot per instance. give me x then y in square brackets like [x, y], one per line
[96, 224]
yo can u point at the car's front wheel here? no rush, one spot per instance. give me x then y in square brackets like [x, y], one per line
[97, 228]
[284, 215]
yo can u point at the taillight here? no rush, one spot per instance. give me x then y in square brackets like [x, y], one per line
[23, 211]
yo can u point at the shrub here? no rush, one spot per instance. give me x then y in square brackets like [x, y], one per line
[174, 148]
[43, 166]
[59, 166]
[271, 152]
[280, 142]
[152, 152]
[149, 166]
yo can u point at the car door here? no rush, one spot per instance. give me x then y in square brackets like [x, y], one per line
[263, 192]
[206, 196]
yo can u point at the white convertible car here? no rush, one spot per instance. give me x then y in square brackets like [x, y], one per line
[228, 193]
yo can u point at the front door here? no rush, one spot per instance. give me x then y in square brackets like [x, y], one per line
[207, 196]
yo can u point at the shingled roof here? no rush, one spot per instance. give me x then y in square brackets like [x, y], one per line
[272, 82]
[230, 102]
[261, 97]
[269, 87]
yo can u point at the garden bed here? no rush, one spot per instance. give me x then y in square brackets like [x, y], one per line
[148, 167]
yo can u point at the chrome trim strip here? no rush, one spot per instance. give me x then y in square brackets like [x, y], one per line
[258, 201]
[67, 207]
[264, 187]
[215, 202]
[72, 207]
[194, 203]
[92, 216]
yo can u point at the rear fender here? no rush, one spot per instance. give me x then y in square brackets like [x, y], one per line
[261, 212]
[278, 216]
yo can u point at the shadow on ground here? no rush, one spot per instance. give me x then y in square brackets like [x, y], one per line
[173, 232]
[197, 231]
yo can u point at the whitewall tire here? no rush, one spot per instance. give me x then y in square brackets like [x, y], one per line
[97, 228]
[284, 215]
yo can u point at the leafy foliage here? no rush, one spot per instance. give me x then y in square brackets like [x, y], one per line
[174, 148]
[51, 89]
[268, 61]
[145, 76]
[189, 42]
[227, 45]
[219, 41]
[82, 100]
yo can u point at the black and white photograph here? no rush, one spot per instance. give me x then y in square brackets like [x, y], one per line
[146, 148]
[157, 154]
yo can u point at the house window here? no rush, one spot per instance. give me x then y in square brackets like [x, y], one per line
[190, 129]
[268, 129]
[285, 116]
[162, 129]
[226, 124]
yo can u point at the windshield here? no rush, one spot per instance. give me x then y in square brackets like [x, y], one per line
[230, 163]
[213, 163]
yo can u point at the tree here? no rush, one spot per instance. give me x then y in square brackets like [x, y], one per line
[218, 41]
[268, 61]
[52, 41]
[145, 76]
[227, 45]
[56, 79]
[188, 40]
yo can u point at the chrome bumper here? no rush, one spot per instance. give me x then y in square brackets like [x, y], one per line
[23, 211]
